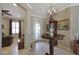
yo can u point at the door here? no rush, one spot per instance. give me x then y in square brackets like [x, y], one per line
[37, 28]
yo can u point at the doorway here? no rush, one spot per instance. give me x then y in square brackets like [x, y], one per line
[37, 30]
[37, 26]
[15, 29]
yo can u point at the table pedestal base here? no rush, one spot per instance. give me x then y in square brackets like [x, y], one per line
[51, 47]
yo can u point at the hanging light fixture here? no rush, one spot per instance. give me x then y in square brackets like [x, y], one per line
[51, 10]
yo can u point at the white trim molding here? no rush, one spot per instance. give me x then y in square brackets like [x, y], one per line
[63, 9]
[37, 16]
[24, 6]
[28, 5]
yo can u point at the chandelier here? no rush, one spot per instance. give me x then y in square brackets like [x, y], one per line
[51, 10]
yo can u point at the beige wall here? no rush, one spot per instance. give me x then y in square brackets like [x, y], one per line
[65, 14]
[5, 22]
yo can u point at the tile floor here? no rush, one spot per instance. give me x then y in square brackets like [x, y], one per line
[40, 48]
[12, 50]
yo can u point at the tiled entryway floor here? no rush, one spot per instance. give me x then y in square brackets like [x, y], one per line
[41, 48]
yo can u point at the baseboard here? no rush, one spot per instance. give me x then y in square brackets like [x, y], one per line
[65, 48]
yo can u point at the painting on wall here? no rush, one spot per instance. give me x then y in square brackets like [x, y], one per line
[63, 24]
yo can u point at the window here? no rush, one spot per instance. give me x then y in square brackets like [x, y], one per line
[37, 30]
[15, 27]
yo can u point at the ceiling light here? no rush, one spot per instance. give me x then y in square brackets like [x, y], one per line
[51, 10]
[14, 4]
[54, 10]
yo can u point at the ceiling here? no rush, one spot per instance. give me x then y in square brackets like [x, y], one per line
[15, 11]
[40, 9]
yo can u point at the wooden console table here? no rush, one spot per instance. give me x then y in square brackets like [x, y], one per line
[75, 47]
[7, 41]
[21, 44]
[51, 41]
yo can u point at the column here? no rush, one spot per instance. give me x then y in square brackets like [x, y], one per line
[28, 32]
[0, 28]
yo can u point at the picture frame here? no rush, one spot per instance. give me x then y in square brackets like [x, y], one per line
[63, 24]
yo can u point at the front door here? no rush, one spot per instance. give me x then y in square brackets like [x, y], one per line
[37, 28]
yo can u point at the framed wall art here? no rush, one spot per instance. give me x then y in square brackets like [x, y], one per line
[63, 24]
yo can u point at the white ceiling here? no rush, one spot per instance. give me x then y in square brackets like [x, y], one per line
[40, 9]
